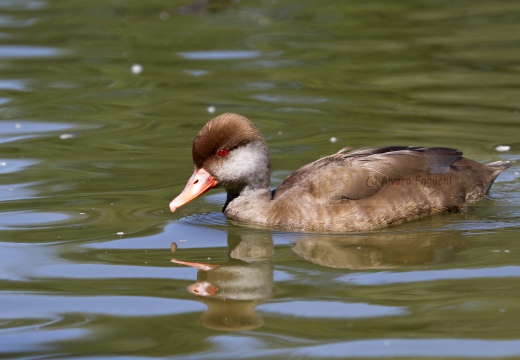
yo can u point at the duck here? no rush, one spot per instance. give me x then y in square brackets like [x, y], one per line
[352, 190]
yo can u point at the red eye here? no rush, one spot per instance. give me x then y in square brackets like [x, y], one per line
[222, 152]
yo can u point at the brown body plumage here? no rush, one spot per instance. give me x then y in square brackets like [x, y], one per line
[354, 191]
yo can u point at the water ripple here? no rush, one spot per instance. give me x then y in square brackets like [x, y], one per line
[15, 130]
[38, 306]
[331, 309]
[8, 166]
[24, 51]
[385, 277]
[226, 346]
[220, 55]
[421, 348]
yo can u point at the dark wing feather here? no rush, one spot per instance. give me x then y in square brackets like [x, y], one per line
[362, 173]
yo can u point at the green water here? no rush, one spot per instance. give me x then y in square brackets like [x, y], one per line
[92, 153]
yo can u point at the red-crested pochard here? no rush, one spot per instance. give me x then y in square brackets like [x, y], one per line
[349, 191]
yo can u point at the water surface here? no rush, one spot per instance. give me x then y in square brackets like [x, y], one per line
[93, 148]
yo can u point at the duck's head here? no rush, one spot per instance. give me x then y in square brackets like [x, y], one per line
[228, 152]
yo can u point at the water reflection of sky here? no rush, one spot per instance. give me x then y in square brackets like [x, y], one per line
[220, 55]
[386, 348]
[331, 309]
[37, 306]
[10, 52]
[16, 130]
[86, 232]
[30, 219]
[384, 277]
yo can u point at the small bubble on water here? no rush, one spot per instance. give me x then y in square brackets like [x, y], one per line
[503, 148]
[68, 136]
[136, 69]
[164, 15]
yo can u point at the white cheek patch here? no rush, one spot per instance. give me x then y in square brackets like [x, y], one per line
[247, 163]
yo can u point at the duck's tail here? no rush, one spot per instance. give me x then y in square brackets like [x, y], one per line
[495, 169]
[498, 166]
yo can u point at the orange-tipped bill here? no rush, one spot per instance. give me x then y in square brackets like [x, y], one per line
[200, 266]
[200, 182]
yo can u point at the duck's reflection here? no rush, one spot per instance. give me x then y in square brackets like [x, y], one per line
[379, 251]
[232, 290]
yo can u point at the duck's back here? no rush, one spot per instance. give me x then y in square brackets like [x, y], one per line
[373, 188]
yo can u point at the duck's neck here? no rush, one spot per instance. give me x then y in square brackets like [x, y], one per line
[251, 205]
[256, 185]
[245, 194]
[231, 195]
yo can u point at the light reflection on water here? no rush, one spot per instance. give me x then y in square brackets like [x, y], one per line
[91, 155]
[219, 55]
[329, 309]
[376, 348]
[432, 275]
[16, 191]
[31, 219]
[46, 305]
[20, 52]
[24, 129]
